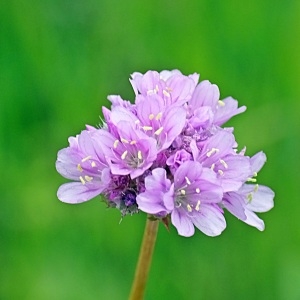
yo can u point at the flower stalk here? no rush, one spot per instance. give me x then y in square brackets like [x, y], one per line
[144, 261]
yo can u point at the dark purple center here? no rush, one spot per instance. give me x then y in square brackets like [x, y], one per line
[128, 198]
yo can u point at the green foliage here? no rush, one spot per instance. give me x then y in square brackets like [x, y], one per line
[59, 60]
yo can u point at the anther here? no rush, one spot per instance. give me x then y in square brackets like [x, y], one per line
[187, 180]
[255, 174]
[93, 164]
[220, 172]
[212, 151]
[79, 168]
[255, 188]
[86, 158]
[140, 155]
[82, 180]
[124, 141]
[189, 208]
[224, 163]
[132, 142]
[182, 192]
[88, 178]
[197, 190]
[158, 116]
[123, 156]
[251, 179]
[197, 208]
[158, 131]
[147, 128]
[212, 166]
[166, 93]
[221, 103]
[116, 142]
[151, 116]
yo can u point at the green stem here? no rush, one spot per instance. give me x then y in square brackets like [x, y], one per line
[144, 262]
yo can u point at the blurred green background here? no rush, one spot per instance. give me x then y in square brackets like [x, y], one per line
[59, 60]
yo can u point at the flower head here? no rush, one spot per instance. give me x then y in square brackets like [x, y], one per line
[167, 155]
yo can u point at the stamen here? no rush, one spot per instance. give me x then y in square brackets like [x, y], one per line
[212, 151]
[189, 208]
[249, 197]
[187, 180]
[147, 128]
[158, 116]
[88, 178]
[221, 103]
[220, 172]
[151, 116]
[182, 192]
[79, 168]
[254, 174]
[197, 208]
[158, 131]
[212, 166]
[140, 155]
[93, 164]
[255, 188]
[224, 163]
[166, 93]
[251, 179]
[86, 158]
[124, 141]
[137, 121]
[116, 142]
[197, 190]
[132, 142]
[82, 180]
[123, 156]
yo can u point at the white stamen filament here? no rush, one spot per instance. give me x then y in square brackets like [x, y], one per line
[82, 180]
[197, 208]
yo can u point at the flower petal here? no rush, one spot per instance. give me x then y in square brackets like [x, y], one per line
[76, 192]
[209, 219]
[182, 223]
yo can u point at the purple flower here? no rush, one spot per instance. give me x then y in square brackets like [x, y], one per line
[84, 163]
[167, 155]
[250, 198]
[172, 86]
[131, 152]
[192, 199]
[207, 95]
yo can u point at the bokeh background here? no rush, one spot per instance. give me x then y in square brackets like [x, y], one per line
[59, 61]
